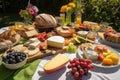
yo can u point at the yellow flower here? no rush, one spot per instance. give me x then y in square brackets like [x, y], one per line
[68, 9]
[63, 8]
[71, 4]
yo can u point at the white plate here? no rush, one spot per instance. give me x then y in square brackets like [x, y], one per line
[98, 63]
[115, 45]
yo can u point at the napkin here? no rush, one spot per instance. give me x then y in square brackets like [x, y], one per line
[24, 73]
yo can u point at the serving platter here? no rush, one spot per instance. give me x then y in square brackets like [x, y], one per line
[97, 63]
[115, 45]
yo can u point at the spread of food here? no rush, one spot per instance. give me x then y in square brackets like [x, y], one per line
[23, 44]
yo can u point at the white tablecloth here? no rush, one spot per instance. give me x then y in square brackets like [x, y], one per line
[63, 74]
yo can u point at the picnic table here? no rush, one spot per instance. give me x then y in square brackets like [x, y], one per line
[33, 71]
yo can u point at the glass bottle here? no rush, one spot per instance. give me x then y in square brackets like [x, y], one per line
[78, 17]
[62, 16]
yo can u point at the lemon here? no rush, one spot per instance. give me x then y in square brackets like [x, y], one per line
[105, 54]
[108, 57]
[115, 59]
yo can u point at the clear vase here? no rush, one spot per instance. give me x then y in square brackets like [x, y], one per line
[62, 16]
[68, 18]
[27, 21]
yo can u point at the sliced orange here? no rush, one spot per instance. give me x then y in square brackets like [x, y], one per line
[67, 42]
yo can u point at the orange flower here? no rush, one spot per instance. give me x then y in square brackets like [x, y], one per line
[63, 8]
[72, 5]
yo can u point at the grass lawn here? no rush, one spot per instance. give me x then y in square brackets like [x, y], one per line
[9, 19]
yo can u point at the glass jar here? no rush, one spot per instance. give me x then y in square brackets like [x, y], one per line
[78, 17]
[62, 17]
[92, 35]
[68, 18]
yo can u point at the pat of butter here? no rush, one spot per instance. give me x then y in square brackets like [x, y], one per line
[56, 41]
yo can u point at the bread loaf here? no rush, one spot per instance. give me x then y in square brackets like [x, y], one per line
[45, 20]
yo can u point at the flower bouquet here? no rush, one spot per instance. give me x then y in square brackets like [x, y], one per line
[68, 10]
[29, 13]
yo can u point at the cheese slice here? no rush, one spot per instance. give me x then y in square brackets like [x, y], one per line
[31, 40]
[31, 33]
[32, 52]
[56, 41]
[34, 44]
[56, 63]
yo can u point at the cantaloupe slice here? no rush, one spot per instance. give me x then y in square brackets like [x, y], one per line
[56, 63]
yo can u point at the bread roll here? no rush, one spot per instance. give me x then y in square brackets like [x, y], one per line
[63, 32]
[5, 44]
[45, 20]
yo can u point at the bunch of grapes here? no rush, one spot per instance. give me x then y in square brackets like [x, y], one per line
[80, 67]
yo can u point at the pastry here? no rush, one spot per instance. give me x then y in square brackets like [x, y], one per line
[64, 31]
[8, 38]
[112, 36]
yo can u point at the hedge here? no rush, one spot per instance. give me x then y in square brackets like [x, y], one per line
[94, 10]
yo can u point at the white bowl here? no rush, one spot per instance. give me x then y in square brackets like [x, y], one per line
[15, 65]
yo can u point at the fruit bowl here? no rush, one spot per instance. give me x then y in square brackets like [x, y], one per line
[14, 60]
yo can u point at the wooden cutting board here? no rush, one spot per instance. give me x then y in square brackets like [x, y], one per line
[44, 53]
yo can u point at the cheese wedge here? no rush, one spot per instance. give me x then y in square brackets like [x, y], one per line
[56, 41]
[56, 63]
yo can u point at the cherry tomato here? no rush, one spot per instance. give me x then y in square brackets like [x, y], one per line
[100, 57]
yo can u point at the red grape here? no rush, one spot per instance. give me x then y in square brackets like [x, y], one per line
[76, 59]
[69, 66]
[84, 64]
[88, 61]
[74, 69]
[79, 67]
[77, 63]
[76, 74]
[82, 60]
[71, 61]
[73, 64]
[85, 71]
[81, 71]
[90, 66]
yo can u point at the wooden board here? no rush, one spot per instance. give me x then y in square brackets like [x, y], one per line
[42, 54]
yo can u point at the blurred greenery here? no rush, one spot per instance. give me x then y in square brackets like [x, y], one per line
[94, 10]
